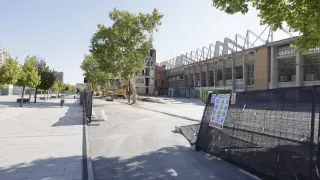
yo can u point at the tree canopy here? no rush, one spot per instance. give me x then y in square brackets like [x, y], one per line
[92, 71]
[29, 75]
[10, 72]
[47, 76]
[122, 49]
[299, 15]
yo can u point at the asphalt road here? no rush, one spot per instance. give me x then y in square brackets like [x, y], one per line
[138, 144]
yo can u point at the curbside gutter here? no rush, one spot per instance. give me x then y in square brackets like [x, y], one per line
[87, 171]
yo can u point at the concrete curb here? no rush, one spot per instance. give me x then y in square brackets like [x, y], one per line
[87, 171]
[89, 162]
[148, 99]
[174, 115]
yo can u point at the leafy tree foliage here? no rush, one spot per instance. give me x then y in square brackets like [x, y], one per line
[300, 16]
[29, 75]
[123, 48]
[67, 88]
[93, 73]
[10, 72]
[47, 77]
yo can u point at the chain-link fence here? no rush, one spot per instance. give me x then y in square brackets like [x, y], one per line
[272, 133]
[86, 99]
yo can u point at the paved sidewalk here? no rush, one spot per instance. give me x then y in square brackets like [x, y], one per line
[41, 141]
[191, 109]
[135, 144]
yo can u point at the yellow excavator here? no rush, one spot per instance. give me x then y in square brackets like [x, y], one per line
[118, 93]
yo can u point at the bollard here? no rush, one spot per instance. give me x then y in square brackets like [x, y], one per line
[61, 102]
[93, 113]
[103, 116]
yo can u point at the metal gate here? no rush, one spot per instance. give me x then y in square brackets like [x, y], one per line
[272, 133]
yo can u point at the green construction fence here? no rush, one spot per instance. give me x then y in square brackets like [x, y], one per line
[205, 93]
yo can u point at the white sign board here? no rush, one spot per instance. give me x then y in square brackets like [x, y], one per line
[213, 97]
[220, 110]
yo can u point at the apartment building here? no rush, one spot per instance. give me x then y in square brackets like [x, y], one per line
[161, 83]
[272, 65]
[145, 82]
[4, 55]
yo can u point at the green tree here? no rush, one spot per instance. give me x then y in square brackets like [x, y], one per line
[56, 87]
[47, 77]
[299, 15]
[67, 87]
[9, 72]
[94, 74]
[122, 49]
[29, 75]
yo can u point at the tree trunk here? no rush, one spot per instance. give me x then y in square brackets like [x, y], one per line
[129, 92]
[22, 94]
[134, 93]
[29, 95]
[35, 95]
[114, 89]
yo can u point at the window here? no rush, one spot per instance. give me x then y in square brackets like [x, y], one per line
[191, 81]
[211, 78]
[250, 79]
[228, 73]
[203, 79]
[181, 77]
[312, 68]
[287, 69]
[219, 75]
[239, 72]
[285, 50]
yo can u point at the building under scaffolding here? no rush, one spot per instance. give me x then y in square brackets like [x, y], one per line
[242, 66]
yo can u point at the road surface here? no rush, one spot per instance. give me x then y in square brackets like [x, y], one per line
[138, 144]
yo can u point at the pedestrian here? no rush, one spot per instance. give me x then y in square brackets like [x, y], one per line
[62, 101]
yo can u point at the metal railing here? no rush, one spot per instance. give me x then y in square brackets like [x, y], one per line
[272, 133]
[87, 100]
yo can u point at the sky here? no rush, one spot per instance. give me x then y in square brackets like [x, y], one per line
[60, 30]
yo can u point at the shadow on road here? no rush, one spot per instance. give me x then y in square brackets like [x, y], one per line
[69, 167]
[71, 116]
[177, 162]
[39, 104]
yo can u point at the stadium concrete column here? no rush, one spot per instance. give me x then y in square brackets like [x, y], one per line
[214, 74]
[299, 69]
[274, 69]
[233, 71]
[244, 73]
[194, 77]
[223, 74]
[207, 74]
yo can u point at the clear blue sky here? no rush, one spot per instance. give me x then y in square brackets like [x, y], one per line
[60, 30]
